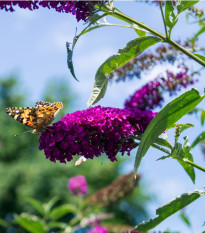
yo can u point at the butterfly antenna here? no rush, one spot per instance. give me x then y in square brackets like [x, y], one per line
[23, 133]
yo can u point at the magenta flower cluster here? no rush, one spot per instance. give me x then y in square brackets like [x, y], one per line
[150, 95]
[94, 131]
[98, 229]
[78, 185]
[81, 9]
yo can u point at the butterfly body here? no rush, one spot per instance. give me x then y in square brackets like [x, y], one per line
[38, 117]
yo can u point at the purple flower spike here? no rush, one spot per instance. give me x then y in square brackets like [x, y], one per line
[98, 229]
[150, 95]
[94, 131]
[78, 185]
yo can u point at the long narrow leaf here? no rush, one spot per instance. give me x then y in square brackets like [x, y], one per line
[36, 205]
[200, 56]
[184, 152]
[163, 142]
[70, 48]
[3, 223]
[132, 49]
[199, 139]
[201, 31]
[61, 211]
[170, 114]
[184, 5]
[169, 209]
[50, 204]
[185, 219]
[30, 223]
[202, 117]
[169, 13]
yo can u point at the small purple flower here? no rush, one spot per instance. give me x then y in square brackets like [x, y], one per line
[150, 95]
[146, 98]
[94, 131]
[81, 9]
[98, 229]
[78, 185]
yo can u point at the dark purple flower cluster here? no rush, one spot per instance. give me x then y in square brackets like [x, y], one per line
[94, 131]
[81, 9]
[150, 95]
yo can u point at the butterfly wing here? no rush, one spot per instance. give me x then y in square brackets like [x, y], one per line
[38, 117]
[46, 113]
[25, 115]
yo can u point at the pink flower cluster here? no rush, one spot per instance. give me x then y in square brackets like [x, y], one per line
[98, 229]
[81, 9]
[78, 185]
[150, 95]
[94, 131]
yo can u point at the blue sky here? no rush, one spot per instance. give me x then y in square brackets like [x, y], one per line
[33, 46]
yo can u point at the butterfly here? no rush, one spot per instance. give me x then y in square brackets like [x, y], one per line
[38, 117]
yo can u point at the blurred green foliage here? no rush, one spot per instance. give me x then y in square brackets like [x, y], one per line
[25, 172]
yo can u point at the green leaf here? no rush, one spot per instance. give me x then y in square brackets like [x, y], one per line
[195, 110]
[99, 89]
[169, 14]
[69, 59]
[185, 219]
[163, 142]
[164, 157]
[200, 56]
[70, 48]
[94, 18]
[184, 5]
[30, 223]
[132, 49]
[183, 127]
[50, 204]
[36, 205]
[199, 139]
[202, 117]
[4, 223]
[59, 225]
[184, 152]
[170, 114]
[61, 211]
[139, 32]
[169, 209]
[201, 31]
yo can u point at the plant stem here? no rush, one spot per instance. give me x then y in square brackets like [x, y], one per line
[160, 4]
[120, 25]
[185, 51]
[191, 163]
[178, 158]
[161, 148]
[119, 15]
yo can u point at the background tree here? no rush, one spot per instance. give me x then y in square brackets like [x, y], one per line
[26, 173]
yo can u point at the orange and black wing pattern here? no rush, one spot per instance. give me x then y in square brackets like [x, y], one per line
[24, 115]
[38, 117]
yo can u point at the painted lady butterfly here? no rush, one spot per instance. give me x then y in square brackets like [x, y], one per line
[38, 117]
